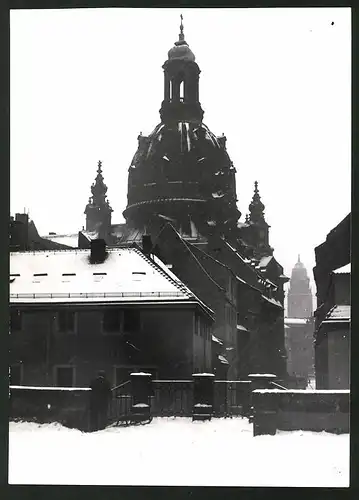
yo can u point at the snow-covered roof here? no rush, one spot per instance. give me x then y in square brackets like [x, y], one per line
[243, 328]
[70, 240]
[303, 391]
[223, 360]
[63, 276]
[344, 270]
[242, 224]
[217, 340]
[48, 388]
[294, 321]
[338, 314]
[265, 261]
[272, 301]
[179, 283]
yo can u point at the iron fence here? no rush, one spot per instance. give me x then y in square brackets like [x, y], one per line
[172, 398]
[120, 405]
[231, 398]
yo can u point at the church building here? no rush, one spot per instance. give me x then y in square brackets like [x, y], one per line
[182, 209]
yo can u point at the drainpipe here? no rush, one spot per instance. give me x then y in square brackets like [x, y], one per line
[48, 345]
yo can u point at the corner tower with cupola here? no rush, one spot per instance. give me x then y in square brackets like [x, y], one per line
[98, 210]
[182, 172]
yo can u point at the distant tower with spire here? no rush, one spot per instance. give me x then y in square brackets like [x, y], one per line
[300, 298]
[98, 211]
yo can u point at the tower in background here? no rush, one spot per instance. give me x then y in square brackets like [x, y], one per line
[300, 298]
[98, 211]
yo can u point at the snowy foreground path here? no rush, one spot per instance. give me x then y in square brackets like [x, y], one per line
[175, 451]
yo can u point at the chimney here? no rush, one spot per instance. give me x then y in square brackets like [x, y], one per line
[146, 244]
[98, 252]
[19, 235]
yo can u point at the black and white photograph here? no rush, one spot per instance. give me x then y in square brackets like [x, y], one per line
[180, 264]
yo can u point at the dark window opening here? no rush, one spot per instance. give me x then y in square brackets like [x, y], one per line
[15, 374]
[68, 274]
[131, 320]
[65, 376]
[40, 274]
[66, 321]
[15, 320]
[112, 321]
[99, 274]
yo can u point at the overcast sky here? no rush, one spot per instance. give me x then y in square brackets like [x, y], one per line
[276, 82]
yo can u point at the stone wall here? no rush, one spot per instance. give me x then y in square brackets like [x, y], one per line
[300, 410]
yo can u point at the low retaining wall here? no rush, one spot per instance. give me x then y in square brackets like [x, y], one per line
[300, 410]
[69, 405]
[66, 405]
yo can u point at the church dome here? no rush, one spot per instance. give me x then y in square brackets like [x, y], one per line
[182, 161]
[181, 51]
[170, 141]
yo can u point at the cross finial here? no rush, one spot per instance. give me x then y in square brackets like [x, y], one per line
[99, 170]
[181, 35]
[299, 257]
[256, 186]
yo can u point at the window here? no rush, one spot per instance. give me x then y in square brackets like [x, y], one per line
[182, 90]
[16, 374]
[131, 320]
[66, 321]
[171, 90]
[65, 376]
[112, 321]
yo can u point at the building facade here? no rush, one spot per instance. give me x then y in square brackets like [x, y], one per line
[75, 312]
[332, 317]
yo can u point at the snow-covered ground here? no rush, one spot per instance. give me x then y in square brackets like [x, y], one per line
[176, 451]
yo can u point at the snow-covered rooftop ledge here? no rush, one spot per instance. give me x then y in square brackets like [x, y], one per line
[202, 375]
[140, 374]
[344, 270]
[303, 391]
[50, 388]
[261, 375]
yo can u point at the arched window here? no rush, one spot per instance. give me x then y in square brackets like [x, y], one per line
[171, 90]
[182, 90]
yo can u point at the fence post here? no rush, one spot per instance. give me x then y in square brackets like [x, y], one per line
[141, 389]
[265, 413]
[203, 396]
[259, 381]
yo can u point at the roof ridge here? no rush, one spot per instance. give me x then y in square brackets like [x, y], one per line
[153, 264]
